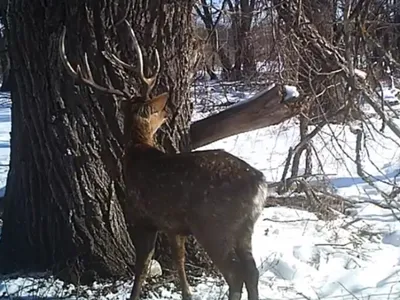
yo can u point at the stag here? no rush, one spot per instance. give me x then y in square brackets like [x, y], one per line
[212, 195]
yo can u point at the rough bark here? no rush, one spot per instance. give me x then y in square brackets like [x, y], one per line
[62, 203]
[4, 65]
[4, 59]
[264, 109]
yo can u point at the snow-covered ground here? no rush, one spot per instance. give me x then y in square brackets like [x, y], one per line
[5, 129]
[355, 256]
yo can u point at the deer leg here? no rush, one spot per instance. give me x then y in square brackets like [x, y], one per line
[221, 251]
[230, 269]
[248, 265]
[178, 254]
[244, 252]
[229, 266]
[144, 241]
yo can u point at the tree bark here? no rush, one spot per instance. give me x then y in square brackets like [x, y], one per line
[4, 59]
[62, 204]
[265, 109]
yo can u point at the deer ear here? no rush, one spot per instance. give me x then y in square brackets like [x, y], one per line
[158, 102]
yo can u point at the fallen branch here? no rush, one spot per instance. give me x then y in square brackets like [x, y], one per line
[267, 108]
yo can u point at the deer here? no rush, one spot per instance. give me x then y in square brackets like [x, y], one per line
[210, 194]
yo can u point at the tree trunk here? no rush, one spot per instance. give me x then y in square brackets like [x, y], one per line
[249, 62]
[6, 75]
[211, 26]
[241, 18]
[62, 207]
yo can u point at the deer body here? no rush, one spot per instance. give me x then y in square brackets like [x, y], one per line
[178, 189]
[212, 195]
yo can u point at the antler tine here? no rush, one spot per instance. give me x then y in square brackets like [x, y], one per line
[149, 81]
[78, 73]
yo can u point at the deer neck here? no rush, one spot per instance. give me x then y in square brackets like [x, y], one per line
[140, 147]
[139, 136]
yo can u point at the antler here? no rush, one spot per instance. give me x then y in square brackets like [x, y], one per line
[78, 73]
[148, 81]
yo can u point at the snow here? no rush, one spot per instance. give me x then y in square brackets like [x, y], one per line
[360, 73]
[355, 256]
[5, 126]
[291, 92]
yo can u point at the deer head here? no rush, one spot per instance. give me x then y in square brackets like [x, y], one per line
[143, 115]
[146, 119]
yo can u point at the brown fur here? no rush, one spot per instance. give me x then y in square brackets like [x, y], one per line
[213, 195]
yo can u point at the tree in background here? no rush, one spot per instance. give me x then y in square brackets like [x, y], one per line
[236, 53]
